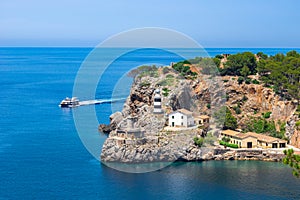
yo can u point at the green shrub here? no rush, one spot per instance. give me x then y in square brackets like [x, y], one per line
[267, 115]
[227, 97]
[244, 98]
[233, 145]
[297, 125]
[208, 106]
[237, 110]
[261, 125]
[166, 82]
[169, 76]
[293, 160]
[226, 139]
[240, 80]
[248, 80]
[198, 141]
[226, 144]
[165, 91]
[144, 70]
[183, 69]
[219, 56]
[223, 117]
[254, 81]
[225, 81]
[298, 108]
[144, 84]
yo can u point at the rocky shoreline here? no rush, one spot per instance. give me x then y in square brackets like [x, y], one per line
[159, 149]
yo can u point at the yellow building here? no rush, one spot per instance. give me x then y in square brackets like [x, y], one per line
[201, 119]
[265, 141]
[253, 140]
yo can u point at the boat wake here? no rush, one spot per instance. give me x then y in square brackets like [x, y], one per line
[100, 101]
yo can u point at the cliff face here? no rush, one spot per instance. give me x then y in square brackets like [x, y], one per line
[176, 92]
[194, 95]
[254, 100]
[292, 131]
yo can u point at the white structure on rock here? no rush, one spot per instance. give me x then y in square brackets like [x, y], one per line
[157, 102]
[181, 118]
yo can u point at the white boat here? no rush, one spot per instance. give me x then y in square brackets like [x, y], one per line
[69, 102]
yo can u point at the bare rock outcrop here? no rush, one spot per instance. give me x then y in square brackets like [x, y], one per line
[253, 100]
[115, 119]
[197, 95]
[292, 131]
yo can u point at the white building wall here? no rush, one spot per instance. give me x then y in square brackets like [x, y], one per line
[190, 121]
[180, 120]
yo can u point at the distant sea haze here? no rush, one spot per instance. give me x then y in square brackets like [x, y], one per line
[42, 157]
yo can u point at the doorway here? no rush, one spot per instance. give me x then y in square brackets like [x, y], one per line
[249, 144]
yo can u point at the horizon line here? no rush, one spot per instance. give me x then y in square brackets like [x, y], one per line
[209, 47]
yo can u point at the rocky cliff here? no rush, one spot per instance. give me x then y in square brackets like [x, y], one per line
[201, 95]
[292, 130]
[254, 100]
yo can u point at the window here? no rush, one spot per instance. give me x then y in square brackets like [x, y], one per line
[173, 117]
[282, 145]
[181, 123]
[181, 117]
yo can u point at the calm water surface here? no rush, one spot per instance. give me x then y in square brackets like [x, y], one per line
[42, 157]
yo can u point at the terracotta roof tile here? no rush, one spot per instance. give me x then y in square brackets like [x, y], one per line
[265, 138]
[230, 132]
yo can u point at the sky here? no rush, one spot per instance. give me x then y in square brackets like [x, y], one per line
[212, 23]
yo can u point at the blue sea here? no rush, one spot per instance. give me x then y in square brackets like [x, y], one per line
[43, 155]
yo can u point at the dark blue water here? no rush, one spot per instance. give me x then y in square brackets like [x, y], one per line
[42, 156]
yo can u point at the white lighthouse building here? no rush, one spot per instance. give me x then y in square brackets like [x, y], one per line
[157, 102]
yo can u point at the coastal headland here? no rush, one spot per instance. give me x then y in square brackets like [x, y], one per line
[179, 112]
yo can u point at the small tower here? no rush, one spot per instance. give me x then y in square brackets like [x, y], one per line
[157, 102]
